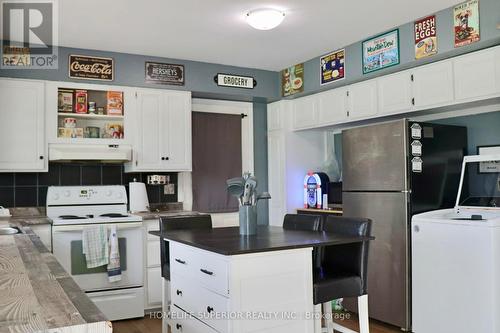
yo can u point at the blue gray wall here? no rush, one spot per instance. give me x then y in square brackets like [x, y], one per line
[490, 35]
[260, 157]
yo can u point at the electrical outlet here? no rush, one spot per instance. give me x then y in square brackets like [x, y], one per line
[158, 179]
[169, 189]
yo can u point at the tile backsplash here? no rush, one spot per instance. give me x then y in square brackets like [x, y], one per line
[30, 189]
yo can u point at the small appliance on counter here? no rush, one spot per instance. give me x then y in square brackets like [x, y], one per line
[4, 213]
[138, 197]
[315, 187]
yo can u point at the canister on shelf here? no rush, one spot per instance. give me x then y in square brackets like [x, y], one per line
[81, 101]
[93, 132]
[92, 108]
[69, 122]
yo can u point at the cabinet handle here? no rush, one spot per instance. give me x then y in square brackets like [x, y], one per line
[179, 292]
[178, 327]
[167, 158]
[163, 158]
[180, 261]
[206, 272]
[41, 157]
[210, 309]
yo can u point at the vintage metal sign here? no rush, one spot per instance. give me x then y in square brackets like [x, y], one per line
[235, 81]
[91, 68]
[164, 73]
[381, 51]
[425, 37]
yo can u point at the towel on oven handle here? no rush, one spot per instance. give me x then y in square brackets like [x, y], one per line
[114, 269]
[95, 245]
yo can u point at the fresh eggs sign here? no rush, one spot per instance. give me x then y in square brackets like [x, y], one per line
[235, 81]
[425, 37]
[91, 68]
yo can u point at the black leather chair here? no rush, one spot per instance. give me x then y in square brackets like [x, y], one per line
[309, 223]
[179, 223]
[344, 271]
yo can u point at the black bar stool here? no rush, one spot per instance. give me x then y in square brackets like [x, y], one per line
[343, 273]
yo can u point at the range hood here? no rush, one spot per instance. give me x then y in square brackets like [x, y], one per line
[78, 152]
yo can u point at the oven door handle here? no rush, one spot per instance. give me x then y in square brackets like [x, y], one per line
[119, 226]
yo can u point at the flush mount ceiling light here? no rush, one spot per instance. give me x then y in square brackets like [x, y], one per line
[265, 19]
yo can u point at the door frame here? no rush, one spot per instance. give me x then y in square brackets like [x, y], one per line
[185, 193]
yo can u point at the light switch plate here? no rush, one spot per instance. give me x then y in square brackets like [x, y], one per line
[169, 189]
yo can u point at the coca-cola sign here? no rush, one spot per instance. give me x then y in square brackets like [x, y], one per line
[91, 68]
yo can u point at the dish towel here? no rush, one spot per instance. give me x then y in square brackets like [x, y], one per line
[95, 245]
[114, 269]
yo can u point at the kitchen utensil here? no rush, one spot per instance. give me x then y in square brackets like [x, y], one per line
[264, 196]
[250, 186]
[236, 187]
[138, 197]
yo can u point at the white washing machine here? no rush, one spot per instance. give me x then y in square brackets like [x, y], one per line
[456, 258]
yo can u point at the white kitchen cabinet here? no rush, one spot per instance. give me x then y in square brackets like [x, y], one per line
[395, 93]
[433, 85]
[476, 75]
[23, 146]
[152, 267]
[363, 100]
[332, 106]
[276, 174]
[497, 69]
[305, 112]
[162, 131]
[274, 118]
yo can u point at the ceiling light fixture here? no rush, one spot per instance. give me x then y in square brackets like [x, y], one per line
[265, 19]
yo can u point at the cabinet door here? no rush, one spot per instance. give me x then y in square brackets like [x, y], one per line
[276, 171]
[395, 93]
[304, 112]
[332, 106]
[22, 126]
[274, 116]
[363, 100]
[433, 84]
[497, 69]
[475, 75]
[149, 148]
[176, 131]
[154, 286]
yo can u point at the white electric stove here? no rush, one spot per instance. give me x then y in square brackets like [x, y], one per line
[73, 208]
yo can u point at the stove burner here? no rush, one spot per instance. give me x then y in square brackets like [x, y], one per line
[72, 217]
[113, 215]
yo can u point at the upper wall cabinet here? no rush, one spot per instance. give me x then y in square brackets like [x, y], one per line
[477, 75]
[305, 112]
[433, 85]
[22, 126]
[363, 100]
[162, 131]
[395, 93]
[274, 118]
[332, 106]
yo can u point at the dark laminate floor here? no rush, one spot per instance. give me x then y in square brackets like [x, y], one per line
[147, 325]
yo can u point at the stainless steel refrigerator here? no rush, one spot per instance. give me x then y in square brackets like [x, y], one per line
[390, 172]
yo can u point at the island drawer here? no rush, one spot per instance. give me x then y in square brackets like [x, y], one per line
[208, 306]
[209, 269]
[181, 322]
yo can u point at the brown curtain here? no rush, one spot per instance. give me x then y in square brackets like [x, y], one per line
[216, 158]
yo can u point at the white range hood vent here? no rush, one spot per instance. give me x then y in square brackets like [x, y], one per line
[76, 152]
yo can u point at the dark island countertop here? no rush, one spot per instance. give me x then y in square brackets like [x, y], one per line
[228, 241]
[36, 293]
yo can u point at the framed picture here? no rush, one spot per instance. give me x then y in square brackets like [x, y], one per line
[466, 23]
[332, 67]
[292, 80]
[381, 51]
[91, 68]
[489, 167]
[425, 37]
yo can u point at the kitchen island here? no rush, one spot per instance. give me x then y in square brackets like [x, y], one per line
[224, 282]
[36, 293]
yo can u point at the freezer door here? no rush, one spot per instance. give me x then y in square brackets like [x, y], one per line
[388, 271]
[374, 157]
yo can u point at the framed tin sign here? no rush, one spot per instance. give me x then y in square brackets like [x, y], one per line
[425, 37]
[381, 51]
[332, 67]
[466, 23]
[164, 73]
[235, 81]
[91, 68]
[292, 80]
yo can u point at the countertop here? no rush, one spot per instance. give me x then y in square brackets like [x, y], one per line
[36, 293]
[157, 215]
[228, 241]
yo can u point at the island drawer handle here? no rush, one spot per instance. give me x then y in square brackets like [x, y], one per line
[180, 261]
[179, 292]
[206, 272]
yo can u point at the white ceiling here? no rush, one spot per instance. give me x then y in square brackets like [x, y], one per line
[215, 31]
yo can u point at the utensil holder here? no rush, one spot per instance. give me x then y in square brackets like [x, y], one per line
[248, 220]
